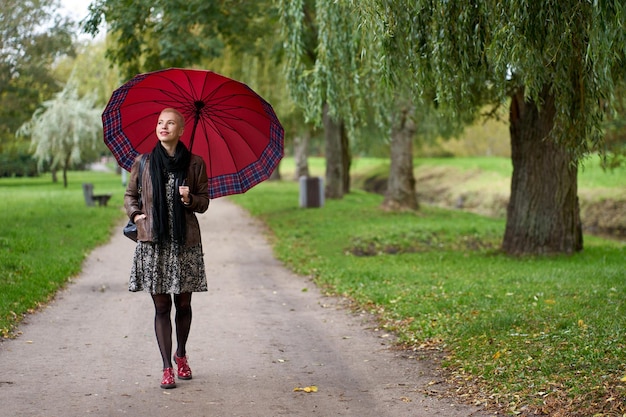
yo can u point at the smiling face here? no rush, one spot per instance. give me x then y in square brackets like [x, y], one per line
[170, 127]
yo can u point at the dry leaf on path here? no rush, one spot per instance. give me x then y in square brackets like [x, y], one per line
[311, 388]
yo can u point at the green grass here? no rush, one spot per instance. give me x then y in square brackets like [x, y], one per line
[46, 233]
[546, 333]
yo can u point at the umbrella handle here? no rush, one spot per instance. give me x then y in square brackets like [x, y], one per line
[199, 104]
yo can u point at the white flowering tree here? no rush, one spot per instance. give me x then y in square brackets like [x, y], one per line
[64, 129]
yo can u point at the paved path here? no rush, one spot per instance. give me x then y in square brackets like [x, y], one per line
[258, 333]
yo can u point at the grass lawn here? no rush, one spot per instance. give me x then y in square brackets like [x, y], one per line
[522, 334]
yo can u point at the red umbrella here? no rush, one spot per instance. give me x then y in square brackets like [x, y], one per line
[233, 128]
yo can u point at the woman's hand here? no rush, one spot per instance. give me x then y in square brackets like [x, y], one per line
[183, 190]
[139, 217]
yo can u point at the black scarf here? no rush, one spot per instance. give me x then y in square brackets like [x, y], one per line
[160, 165]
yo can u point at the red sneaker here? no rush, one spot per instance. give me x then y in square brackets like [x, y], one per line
[168, 380]
[184, 372]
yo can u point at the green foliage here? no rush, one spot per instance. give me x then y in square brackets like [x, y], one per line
[323, 63]
[476, 53]
[46, 234]
[151, 35]
[543, 333]
[615, 130]
[265, 76]
[336, 57]
[16, 160]
[91, 72]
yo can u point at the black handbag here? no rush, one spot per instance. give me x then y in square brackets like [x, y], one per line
[130, 230]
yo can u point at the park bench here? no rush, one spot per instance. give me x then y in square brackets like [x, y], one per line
[91, 198]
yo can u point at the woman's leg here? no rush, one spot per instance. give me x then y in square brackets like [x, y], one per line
[163, 326]
[183, 322]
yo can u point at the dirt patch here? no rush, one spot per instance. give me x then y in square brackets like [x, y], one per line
[605, 217]
[488, 195]
[419, 241]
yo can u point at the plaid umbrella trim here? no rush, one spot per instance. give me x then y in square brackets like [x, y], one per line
[114, 136]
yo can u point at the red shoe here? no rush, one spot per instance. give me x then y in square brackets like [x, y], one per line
[184, 372]
[168, 380]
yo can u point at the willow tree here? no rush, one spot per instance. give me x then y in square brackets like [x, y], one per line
[335, 77]
[321, 51]
[556, 63]
[63, 129]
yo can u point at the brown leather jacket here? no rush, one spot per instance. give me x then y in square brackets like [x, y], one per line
[198, 190]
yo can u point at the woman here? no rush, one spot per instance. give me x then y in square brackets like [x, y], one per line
[168, 261]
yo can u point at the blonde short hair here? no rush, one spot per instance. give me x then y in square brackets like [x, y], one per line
[179, 115]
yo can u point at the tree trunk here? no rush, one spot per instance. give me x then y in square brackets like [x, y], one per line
[543, 215]
[275, 175]
[401, 193]
[66, 167]
[346, 158]
[334, 157]
[301, 152]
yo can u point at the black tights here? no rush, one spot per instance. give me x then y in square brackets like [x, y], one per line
[163, 324]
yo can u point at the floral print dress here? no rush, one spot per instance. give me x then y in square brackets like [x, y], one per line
[168, 268]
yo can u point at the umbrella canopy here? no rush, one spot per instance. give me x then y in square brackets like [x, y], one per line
[234, 129]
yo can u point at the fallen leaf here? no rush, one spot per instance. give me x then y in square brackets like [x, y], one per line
[496, 355]
[311, 388]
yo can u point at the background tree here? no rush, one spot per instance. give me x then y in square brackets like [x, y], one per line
[555, 62]
[94, 77]
[155, 34]
[322, 40]
[150, 35]
[91, 71]
[32, 37]
[63, 129]
[401, 193]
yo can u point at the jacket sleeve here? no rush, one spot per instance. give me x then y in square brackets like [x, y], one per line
[131, 196]
[199, 187]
